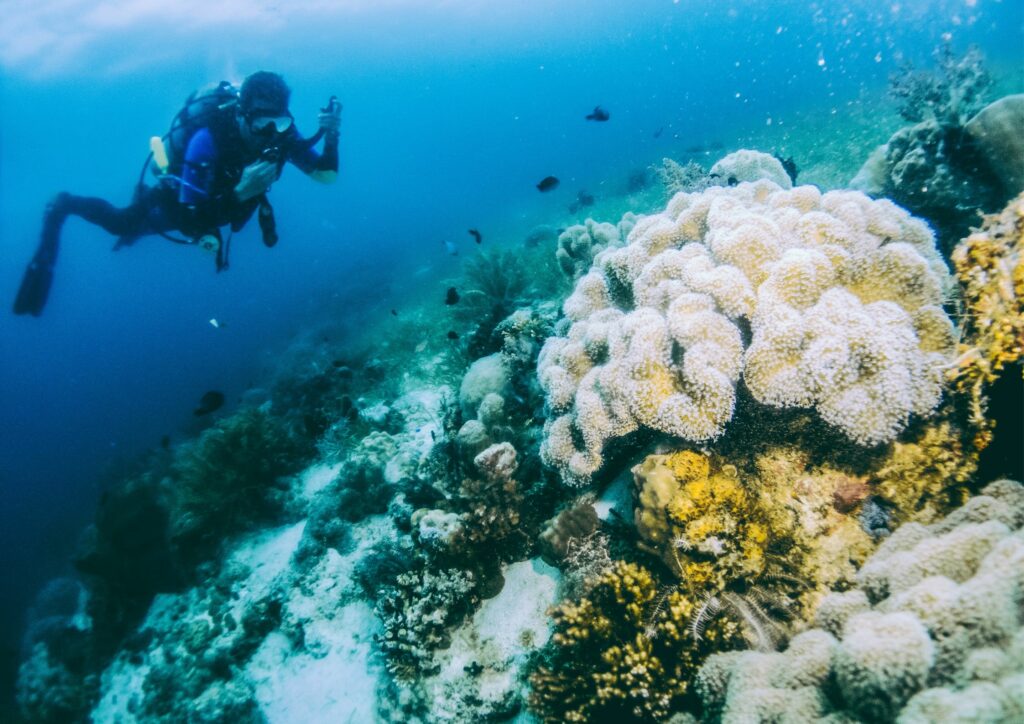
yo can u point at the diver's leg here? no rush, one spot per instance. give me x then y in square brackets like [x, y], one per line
[126, 223]
[117, 221]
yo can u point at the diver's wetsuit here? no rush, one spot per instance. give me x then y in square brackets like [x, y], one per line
[205, 200]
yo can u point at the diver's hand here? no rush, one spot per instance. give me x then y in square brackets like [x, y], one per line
[330, 118]
[256, 179]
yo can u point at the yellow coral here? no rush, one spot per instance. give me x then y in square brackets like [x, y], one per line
[702, 521]
[719, 526]
[623, 652]
[990, 268]
[926, 477]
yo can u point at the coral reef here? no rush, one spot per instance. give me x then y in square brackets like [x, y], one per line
[925, 476]
[825, 301]
[494, 285]
[416, 612]
[227, 480]
[622, 652]
[951, 93]
[933, 628]
[938, 172]
[944, 167]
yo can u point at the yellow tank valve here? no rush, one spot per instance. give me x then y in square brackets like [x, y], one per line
[156, 145]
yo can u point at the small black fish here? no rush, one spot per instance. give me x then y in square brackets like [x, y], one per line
[165, 442]
[394, 312]
[210, 402]
[476, 236]
[599, 114]
[547, 183]
[657, 134]
[789, 165]
[453, 335]
[451, 296]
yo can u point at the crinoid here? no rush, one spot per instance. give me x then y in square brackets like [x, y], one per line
[761, 612]
[496, 283]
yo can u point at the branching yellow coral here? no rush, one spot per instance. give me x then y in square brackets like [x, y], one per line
[623, 652]
[990, 268]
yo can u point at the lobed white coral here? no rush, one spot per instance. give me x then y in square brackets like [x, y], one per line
[747, 165]
[934, 632]
[580, 243]
[843, 297]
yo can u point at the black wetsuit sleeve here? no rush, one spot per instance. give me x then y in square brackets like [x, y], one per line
[309, 161]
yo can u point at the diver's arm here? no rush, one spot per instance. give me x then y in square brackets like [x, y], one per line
[322, 167]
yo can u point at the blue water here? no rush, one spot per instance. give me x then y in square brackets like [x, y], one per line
[452, 112]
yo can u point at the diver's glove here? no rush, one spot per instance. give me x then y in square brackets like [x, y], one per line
[330, 119]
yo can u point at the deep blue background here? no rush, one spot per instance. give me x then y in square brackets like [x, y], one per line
[453, 111]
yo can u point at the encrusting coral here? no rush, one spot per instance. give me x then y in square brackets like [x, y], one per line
[825, 301]
[771, 530]
[933, 631]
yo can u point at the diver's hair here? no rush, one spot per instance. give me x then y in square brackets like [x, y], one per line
[264, 89]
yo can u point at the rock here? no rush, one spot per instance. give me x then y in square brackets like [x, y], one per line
[998, 131]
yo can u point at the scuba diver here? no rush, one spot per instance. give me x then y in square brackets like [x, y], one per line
[214, 168]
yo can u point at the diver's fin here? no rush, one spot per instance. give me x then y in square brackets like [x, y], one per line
[35, 285]
[34, 290]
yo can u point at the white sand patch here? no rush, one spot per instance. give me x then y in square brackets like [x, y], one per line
[337, 683]
[316, 477]
[519, 612]
[121, 692]
[266, 555]
[421, 409]
[497, 641]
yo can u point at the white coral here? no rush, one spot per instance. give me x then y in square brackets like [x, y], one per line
[843, 298]
[745, 165]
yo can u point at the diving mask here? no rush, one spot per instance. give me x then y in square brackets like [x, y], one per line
[266, 124]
